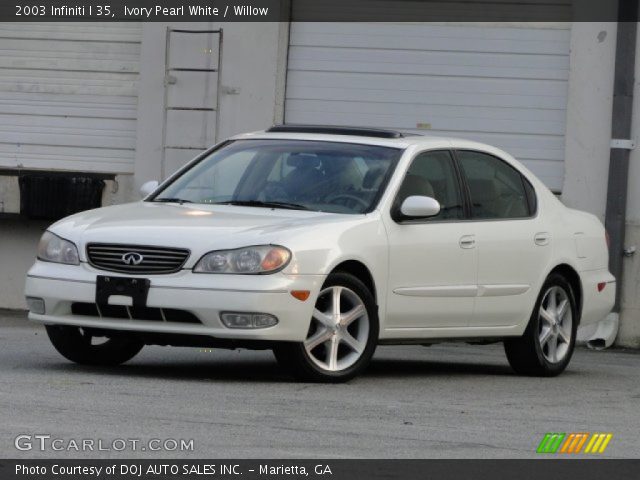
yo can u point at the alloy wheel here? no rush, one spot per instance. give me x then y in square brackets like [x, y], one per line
[555, 325]
[339, 329]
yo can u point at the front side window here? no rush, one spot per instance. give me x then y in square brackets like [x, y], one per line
[305, 175]
[432, 174]
[497, 189]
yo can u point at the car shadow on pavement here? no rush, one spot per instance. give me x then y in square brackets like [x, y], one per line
[429, 367]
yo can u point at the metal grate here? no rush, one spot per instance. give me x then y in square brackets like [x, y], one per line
[136, 258]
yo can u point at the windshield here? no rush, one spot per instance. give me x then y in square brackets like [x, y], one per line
[304, 175]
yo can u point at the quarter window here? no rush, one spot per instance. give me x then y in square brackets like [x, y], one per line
[497, 189]
[432, 174]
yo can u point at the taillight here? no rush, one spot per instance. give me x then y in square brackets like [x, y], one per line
[607, 239]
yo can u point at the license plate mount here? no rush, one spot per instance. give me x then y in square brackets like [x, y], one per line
[135, 288]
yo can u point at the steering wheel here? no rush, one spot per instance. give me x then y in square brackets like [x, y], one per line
[347, 200]
[273, 190]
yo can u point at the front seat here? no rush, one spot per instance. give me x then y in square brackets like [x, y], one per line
[304, 175]
[415, 185]
[373, 179]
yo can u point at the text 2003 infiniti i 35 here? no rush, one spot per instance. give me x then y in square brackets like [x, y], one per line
[321, 243]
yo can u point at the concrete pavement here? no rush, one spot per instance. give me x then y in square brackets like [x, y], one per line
[414, 402]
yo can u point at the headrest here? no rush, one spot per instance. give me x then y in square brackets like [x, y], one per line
[373, 178]
[416, 185]
[303, 160]
[483, 190]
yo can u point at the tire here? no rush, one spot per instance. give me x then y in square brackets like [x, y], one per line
[336, 349]
[548, 343]
[75, 344]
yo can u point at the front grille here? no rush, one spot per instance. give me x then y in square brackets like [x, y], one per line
[136, 258]
[151, 314]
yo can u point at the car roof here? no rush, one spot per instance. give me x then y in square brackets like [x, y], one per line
[401, 141]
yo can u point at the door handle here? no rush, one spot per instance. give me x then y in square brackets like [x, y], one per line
[467, 241]
[541, 238]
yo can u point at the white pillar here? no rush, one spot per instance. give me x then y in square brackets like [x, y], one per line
[589, 107]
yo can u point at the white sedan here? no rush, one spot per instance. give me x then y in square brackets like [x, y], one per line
[321, 243]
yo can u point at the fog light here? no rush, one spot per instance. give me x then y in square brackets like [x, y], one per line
[248, 320]
[35, 305]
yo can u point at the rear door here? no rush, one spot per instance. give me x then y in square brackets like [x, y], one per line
[513, 242]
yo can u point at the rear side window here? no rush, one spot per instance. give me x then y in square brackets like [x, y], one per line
[497, 189]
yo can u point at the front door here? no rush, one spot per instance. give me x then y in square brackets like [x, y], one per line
[433, 261]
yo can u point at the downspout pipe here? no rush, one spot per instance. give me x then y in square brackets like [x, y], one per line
[615, 217]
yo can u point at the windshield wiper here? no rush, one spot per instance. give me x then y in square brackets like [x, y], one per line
[172, 200]
[259, 203]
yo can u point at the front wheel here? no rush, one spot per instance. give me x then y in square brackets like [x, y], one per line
[342, 335]
[547, 345]
[80, 346]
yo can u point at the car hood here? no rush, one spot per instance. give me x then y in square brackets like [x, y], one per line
[200, 228]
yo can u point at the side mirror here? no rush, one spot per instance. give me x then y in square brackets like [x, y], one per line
[148, 188]
[420, 207]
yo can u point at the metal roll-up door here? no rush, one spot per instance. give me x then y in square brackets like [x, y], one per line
[503, 85]
[68, 96]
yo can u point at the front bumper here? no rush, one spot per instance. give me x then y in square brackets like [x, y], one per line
[203, 295]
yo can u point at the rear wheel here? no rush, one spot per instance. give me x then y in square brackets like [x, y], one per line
[80, 346]
[342, 335]
[547, 345]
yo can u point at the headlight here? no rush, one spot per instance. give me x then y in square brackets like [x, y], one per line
[255, 260]
[58, 250]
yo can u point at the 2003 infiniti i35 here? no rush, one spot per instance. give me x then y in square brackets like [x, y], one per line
[321, 243]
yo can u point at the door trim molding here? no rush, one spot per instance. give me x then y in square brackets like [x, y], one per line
[438, 291]
[452, 291]
[501, 290]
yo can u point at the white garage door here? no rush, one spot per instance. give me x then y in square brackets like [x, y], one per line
[503, 86]
[68, 96]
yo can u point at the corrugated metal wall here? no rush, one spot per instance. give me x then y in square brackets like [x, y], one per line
[505, 86]
[68, 95]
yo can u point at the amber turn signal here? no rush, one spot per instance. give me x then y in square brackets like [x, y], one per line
[274, 259]
[301, 295]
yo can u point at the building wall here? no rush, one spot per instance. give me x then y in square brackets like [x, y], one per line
[19, 241]
[588, 135]
[588, 138]
[251, 84]
[629, 334]
[500, 84]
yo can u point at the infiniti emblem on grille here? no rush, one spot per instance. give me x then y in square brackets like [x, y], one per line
[132, 258]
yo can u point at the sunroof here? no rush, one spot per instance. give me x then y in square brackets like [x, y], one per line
[336, 130]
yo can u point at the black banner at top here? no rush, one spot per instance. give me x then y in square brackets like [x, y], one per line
[319, 10]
